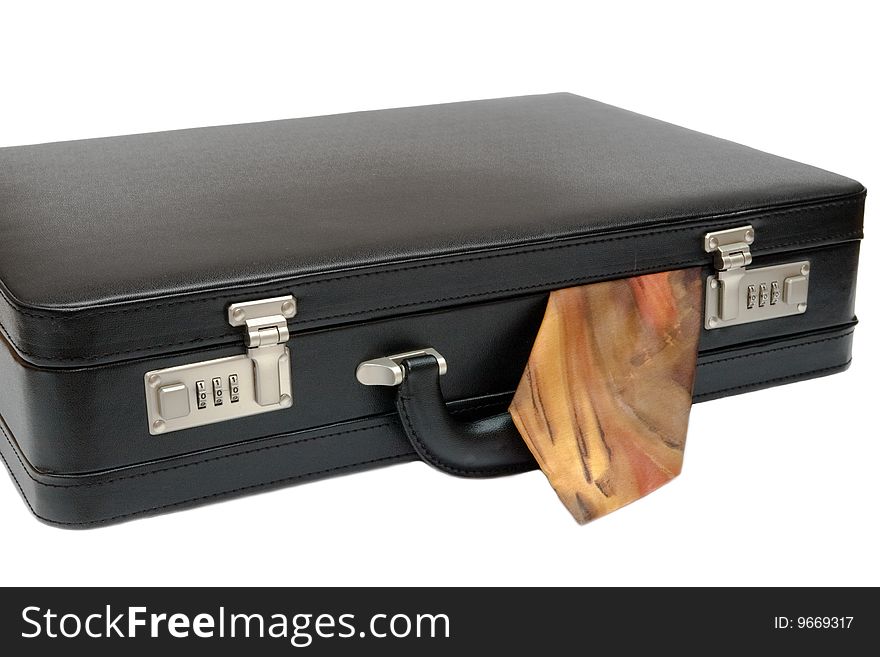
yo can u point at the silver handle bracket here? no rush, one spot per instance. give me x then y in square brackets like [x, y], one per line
[388, 371]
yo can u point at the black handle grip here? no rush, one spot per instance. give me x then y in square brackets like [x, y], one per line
[488, 447]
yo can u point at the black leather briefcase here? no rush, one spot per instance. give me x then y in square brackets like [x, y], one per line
[197, 314]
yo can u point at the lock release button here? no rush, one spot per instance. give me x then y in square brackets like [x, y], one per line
[794, 290]
[173, 401]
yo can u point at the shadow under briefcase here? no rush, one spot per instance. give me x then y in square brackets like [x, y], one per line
[197, 314]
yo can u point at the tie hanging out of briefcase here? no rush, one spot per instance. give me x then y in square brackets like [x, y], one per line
[197, 314]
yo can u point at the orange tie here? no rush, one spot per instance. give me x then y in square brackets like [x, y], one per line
[604, 401]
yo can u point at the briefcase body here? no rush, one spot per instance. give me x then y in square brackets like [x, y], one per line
[192, 315]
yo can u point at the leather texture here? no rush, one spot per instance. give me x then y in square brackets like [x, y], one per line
[442, 226]
[90, 419]
[486, 447]
[274, 461]
[371, 215]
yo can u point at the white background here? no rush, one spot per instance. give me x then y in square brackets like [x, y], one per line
[779, 486]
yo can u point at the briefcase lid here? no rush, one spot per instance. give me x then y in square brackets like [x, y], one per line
[122, 247]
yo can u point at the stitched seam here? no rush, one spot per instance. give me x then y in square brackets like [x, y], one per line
[435, 462]
[307, 322]
[311, 438]
[521, 288]
[25, 352]
[468, 409]
[431, 458]
[631, 270]
[776, 380]
[445, 263]
[339, 468]
[184, 465]
[770, 351]
[584, 241]
[18, 484]
[580, 279]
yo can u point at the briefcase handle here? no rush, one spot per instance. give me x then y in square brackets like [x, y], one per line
[487, 447]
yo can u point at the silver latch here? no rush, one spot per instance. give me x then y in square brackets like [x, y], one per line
[737, 295]
[267, 333]
[211, 391]
[732, 254]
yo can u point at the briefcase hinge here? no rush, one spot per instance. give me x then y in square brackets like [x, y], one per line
[257, 381]
[737, 295]
[265, 337]
[731, 247]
